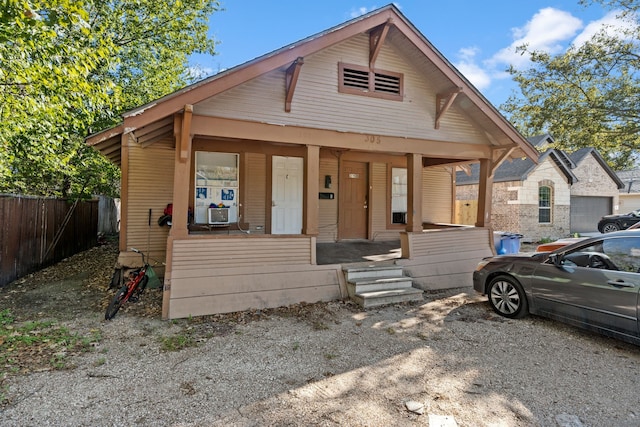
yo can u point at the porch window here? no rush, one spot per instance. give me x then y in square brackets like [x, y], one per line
[358, 80]
[398, 195]
[216, 188]
[544, 204]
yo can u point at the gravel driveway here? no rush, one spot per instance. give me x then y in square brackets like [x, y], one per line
[449, 359]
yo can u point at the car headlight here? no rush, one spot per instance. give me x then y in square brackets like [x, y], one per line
[482, 264]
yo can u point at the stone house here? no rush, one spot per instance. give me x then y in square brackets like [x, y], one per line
[630, 192]
[565, 193]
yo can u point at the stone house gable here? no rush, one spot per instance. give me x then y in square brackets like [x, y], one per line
[594, 177]
[515, 201]
[630, 192]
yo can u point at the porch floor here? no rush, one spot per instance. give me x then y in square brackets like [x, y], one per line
[357, 251]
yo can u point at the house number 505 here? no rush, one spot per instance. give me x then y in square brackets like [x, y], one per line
[372, 139]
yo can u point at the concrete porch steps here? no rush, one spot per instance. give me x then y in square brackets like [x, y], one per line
[372, 286]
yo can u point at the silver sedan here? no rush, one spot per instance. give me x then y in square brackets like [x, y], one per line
[593, 284]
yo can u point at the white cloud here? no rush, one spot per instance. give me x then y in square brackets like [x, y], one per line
[548, 30]
[471, 70]
[361, 11]
[610, 23]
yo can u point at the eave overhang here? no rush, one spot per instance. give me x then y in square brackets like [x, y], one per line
[376, 23]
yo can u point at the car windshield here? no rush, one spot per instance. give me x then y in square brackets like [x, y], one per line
[620, 253]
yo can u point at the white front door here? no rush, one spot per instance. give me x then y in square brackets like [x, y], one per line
[286, 193]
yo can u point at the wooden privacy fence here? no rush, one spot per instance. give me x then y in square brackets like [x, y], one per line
[37, 232]
[466, 212]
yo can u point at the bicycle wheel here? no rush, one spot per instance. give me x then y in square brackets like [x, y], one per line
[116, 303]
[116, 278]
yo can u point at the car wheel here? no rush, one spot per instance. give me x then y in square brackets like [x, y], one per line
[610, 227]
[507, 298]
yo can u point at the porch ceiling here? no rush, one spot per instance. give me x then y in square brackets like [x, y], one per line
[110, 146]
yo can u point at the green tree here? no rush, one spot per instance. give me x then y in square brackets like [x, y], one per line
[69, 68]
[587, 96]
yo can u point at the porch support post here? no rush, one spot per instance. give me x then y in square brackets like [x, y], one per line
[414, 192]
[312, 186]
[485, 194]
[124, 191]
[182, 173]
[181, 179]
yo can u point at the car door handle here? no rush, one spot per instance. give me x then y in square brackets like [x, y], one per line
[620, 284]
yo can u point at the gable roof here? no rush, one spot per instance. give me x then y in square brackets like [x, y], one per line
[519, 169]
[630, 180]
[579, 155]
[539, 140]
[516, 170]
[143, 121]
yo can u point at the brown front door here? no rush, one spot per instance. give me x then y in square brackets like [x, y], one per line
[353, 207]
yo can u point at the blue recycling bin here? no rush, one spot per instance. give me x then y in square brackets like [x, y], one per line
[507, 243]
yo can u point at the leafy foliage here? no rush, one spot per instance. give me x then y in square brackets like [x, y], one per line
[588, 96]
[71, 67]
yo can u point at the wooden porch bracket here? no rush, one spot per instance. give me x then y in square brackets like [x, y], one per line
[443, 102]
[376, 40]
[506, 151]
[291, 81]
[466, 168]
[185, 133]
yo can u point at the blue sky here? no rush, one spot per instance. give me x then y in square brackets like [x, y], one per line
[478, 37]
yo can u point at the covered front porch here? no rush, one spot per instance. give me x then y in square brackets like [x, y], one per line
[240, 272]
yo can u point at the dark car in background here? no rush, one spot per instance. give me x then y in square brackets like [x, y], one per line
[593, 284]
[610, 223]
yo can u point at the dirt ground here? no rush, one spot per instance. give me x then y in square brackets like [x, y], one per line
[448, 360]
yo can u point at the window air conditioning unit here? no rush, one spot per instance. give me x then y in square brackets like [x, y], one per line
[218, 216]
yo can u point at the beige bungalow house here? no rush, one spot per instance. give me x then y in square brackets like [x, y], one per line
[351, 134]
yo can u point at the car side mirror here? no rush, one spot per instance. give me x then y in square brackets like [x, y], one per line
[555, 259]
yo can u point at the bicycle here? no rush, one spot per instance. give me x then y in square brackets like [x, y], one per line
[136, 284]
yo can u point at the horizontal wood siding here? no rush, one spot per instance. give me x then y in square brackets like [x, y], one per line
[442, 259]
[318, 104]
[254, 209]
[232, 274]
[328, 209]
[437, 195]
[238, 252]
[150, 187]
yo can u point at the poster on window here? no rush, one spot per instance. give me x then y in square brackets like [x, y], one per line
[227, 194]
[201, 192]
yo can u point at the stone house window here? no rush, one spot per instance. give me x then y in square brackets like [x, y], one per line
[544, 204]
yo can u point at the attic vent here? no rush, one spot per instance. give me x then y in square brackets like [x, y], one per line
[387, 83]
[358, 80]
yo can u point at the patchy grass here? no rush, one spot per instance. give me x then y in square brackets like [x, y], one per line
[319, 326]
[177, 342]
[38, 345]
